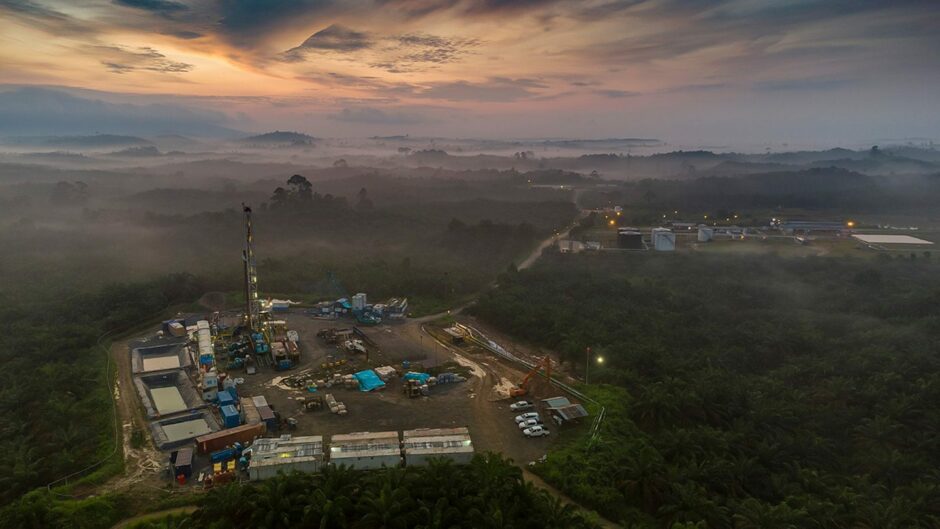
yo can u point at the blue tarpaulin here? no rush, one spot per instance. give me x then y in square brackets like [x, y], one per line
[420, 377]
[369, 380]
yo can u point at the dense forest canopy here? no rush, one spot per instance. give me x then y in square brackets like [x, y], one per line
[53, 384]
[741, 391]
[487, 493]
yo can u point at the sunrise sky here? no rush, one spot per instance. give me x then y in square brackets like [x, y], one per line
[699, 70]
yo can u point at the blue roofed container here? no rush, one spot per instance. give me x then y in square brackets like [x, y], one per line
[225, 399]
[230, 416]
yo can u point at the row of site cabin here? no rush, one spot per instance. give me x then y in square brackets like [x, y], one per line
[236, 453]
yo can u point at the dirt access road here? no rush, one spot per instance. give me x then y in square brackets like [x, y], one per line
[141, 465]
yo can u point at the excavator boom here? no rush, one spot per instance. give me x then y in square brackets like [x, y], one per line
[523, 387]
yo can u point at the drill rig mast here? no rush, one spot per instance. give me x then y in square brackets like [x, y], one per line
[252, 300]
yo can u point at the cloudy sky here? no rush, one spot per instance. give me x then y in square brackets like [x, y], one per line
[706, 71]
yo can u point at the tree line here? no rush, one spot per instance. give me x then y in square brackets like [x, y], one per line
[54, 395]
[743, 392]
[487, 493]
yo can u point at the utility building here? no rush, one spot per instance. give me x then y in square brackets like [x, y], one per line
[447, 443]
[563, 411]
[366, 450]
[629, 239]
[284, 454]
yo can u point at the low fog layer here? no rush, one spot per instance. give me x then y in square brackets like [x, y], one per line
[121, 207]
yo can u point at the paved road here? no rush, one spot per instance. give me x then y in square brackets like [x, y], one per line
[534, 256]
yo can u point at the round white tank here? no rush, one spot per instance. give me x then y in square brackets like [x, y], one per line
[663, 239]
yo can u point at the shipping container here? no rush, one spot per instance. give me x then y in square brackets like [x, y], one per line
[182, 461]
[230, 416]
[249, 411]
[268, 418]
[243, 434]
[225, 399]
[176, 329]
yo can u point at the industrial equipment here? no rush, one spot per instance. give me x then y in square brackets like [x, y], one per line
[522, 389]
[252, 301]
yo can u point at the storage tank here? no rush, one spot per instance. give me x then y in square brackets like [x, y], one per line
[359, 301]
[705, 234]
[663, 239]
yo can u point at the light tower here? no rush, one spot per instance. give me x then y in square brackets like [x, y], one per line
[252, 301]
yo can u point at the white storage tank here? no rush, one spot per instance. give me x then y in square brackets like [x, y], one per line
[359, 301]
[705, 234]
[663, 239]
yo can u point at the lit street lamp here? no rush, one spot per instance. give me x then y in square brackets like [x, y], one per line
[587, 363]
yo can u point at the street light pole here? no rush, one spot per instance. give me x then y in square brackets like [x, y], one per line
[587, 363]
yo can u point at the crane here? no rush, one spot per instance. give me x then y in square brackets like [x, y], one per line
[523, 386]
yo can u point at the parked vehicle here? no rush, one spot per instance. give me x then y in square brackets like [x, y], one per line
[527, 416]
[521, 405]
[529, 423]
[535, 431]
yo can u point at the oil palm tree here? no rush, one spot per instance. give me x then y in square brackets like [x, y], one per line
[274, 504]
[387, 507]
[326, 509]
[438, 515]
[755, 514]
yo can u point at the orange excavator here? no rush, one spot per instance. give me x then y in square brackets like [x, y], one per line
[523, 388]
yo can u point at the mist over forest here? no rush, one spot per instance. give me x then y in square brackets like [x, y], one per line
[102, 232]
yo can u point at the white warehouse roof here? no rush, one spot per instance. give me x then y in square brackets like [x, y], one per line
[890, 239]
[364, 444]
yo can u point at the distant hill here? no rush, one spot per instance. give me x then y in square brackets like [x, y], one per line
[57, 156]
[144, 151]
[732, 168]
[81, 141]
[280, 138]
[176, 142]
[806, 157]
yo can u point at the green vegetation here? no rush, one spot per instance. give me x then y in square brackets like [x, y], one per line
[744, 392]
[488, 493]
[41, 509]
[55, 410]
[172, 521]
